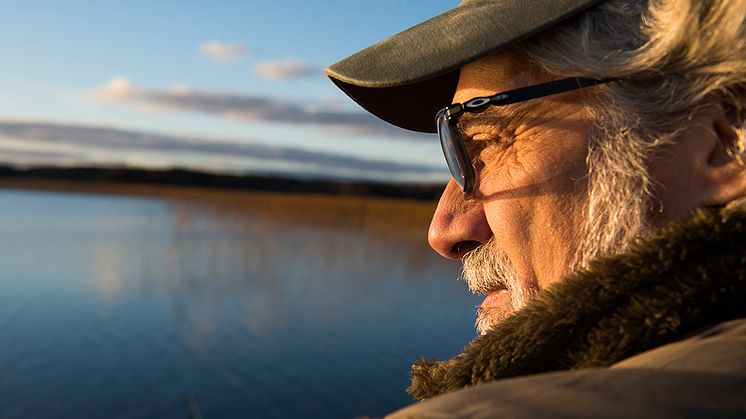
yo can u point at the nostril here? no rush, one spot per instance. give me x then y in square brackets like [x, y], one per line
[463, 247]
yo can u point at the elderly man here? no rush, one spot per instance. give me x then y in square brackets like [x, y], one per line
[597, 200]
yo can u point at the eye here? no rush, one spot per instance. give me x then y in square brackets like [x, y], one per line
[479, 148]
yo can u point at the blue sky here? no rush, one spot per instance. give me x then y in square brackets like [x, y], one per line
[217, 86]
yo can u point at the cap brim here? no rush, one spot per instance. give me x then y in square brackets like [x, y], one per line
[408, 77]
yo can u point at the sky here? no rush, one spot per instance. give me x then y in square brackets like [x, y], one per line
[227, 86]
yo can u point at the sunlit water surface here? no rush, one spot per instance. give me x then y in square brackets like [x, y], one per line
[230, 306]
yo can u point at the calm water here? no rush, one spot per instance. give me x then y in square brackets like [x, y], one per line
[245, 306]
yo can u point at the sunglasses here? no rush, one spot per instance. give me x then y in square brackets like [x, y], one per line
[452, 138]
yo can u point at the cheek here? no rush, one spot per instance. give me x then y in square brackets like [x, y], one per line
[510, 225]
[529, 169]
[538, 234]
[534, 198]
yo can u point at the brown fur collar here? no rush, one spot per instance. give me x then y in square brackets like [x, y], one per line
[682, 278]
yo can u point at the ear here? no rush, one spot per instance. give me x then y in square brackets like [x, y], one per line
[723, 172]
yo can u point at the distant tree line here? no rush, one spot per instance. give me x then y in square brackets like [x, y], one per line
[183, 177]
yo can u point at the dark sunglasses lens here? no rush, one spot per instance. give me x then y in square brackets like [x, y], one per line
[451, 150]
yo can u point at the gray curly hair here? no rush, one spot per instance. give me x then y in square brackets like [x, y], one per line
[673, 55]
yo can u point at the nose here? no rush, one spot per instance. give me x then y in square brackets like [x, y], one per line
[458, 226]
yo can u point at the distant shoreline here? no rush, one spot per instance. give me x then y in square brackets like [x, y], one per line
[156, 182]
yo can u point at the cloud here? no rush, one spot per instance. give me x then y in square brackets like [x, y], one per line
[249, 108]
[224, 51]
[117, 89]
[30, 142]
[285, 69]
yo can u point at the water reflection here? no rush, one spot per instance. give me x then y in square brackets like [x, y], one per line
[271, 252]
[254, 303]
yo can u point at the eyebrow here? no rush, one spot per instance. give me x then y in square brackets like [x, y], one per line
[501, 117]
[489, 116]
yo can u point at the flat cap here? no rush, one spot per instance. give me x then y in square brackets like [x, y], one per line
[407, 78]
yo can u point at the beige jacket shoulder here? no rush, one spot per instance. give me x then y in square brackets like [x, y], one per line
[702, 376]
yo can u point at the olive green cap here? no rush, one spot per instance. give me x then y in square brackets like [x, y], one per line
[407, 78]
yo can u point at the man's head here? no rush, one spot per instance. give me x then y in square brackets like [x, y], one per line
[565, 178]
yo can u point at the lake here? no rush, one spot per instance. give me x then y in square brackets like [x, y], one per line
[179, 304]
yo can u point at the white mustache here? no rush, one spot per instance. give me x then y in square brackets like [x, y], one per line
[487, 268]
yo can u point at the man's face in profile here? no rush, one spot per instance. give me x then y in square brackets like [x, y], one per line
[520, 231]
[536, 214]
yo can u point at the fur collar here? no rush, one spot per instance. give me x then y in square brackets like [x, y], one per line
[679, 279]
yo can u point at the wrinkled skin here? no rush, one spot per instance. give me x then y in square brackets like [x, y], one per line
[533, 177]
[532, 180]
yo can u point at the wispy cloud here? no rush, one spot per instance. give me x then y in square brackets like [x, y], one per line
[247, 107]
[30, 141]
[224, 51]
[118, 89]
[286, 69]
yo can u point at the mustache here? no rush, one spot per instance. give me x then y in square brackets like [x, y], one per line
[487, 268]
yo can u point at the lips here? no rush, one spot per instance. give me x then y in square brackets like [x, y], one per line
[494, 309]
